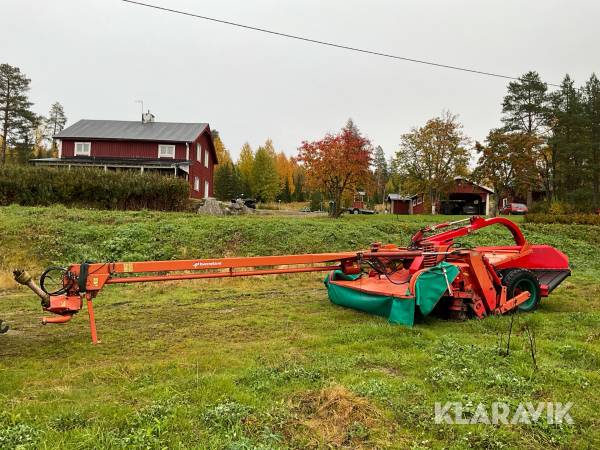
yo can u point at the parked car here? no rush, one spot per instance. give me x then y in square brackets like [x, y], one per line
[360, 211]
[248, 202]
[514, 208]
[471, 210]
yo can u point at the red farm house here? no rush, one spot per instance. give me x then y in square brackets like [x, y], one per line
[466, 197]
[184, 150]
[405, 204]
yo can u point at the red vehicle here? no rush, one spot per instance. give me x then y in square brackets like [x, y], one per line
[399, 283]
[514, 208]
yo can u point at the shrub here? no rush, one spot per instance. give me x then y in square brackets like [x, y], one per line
[568, 219]
[561, 207]
[91, 188]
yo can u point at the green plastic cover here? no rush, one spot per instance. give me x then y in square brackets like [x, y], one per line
[398, 311]
[430, 287]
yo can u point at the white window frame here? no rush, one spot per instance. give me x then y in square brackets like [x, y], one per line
[198, 152]
[206, 156]
[206, 188]
[162, 147]
[87, 146]
[197, 184]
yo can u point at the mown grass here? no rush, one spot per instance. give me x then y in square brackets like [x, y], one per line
[268, 362]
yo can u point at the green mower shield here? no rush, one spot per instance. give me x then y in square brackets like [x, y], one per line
[429, 289]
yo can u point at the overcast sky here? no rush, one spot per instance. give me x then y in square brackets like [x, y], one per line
[97, 57]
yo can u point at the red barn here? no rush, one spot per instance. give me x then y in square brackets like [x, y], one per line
[466, 197]
[183, 149]
[405, 204]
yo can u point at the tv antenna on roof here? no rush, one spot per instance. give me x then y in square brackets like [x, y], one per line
[141, 102]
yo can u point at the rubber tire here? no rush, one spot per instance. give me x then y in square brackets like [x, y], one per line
[526, 281]
[356, 211]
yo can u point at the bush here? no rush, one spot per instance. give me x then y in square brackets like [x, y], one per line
[568, 219]
[561, 207]
[91, 188]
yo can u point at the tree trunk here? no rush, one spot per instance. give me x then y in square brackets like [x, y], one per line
[433, 202]
[595, 174]
[529, 198]
[335, 210]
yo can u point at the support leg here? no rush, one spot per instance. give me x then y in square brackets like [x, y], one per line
[90, 308]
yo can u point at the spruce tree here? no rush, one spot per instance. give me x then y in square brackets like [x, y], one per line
[380, 173]
[15, 107]
[592, 112]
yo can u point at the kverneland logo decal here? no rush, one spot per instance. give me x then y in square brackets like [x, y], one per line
[207, 264]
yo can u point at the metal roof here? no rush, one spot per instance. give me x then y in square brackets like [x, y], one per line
[485, 188]
[135, 131]
[394, 197]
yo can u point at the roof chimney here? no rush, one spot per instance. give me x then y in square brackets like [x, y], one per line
[147, 117]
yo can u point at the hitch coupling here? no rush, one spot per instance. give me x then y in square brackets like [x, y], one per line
[23, 277]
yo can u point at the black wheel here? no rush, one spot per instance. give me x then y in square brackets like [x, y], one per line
[356, 211]
[519, 280]
[3, 327]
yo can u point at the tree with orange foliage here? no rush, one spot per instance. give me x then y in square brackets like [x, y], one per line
[337, 163]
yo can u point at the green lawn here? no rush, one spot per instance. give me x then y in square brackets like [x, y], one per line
[268, 362]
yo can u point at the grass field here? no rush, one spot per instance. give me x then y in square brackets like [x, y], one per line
[268, 362]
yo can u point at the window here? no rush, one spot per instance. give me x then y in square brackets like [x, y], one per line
[166, 151]
[206, 159]
[205, 188]
[82, 148]
[197, 184]
[414, 202]
[198, 152]
[419, 200]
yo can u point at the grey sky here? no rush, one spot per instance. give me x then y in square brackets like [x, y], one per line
[98, 56]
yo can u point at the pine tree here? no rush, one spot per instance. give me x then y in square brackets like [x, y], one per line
[14, 106]
[55, 123]
[380, 173]
[265, 180]
[525, 107]
[245, 167]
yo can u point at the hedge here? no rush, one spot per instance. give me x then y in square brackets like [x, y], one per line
[91, 188]
[568, 219]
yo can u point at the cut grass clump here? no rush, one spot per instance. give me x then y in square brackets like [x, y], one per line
[336, 416]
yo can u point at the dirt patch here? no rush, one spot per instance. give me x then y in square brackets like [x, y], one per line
[336, 417]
